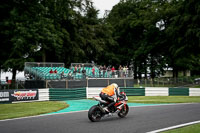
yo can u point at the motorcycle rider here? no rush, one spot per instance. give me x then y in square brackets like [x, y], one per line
[107, 94]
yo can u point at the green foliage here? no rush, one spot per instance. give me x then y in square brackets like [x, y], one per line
[157, 34]
[149, 35]
[61, 31]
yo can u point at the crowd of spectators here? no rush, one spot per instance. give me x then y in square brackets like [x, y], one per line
[102, 71]
[120, 72]
[53, 72]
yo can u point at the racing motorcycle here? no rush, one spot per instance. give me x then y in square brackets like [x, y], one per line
[121, 108]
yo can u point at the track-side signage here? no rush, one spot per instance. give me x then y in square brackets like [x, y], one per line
[4, 96]
[18, 95]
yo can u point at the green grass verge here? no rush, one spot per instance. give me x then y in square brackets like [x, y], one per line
[15, 110]
[188, 129]
[155, 85]
[164, 99]
[196, 86]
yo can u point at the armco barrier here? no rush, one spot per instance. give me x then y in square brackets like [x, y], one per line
[194, 91]
[178, 91]
[89, 92]
[24, 95]
[130, 91]
[93, 91]
[67, 94]
[156, 91]
[149, 91]
[43, 94]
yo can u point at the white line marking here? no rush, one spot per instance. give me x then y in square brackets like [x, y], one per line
[174, 127]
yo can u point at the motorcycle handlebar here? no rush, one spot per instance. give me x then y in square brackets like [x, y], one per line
[122, 97]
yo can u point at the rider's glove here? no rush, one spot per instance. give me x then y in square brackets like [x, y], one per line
[115, 100]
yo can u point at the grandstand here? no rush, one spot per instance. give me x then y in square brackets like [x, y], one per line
[38, 70]
[38, 76]
[34, 70]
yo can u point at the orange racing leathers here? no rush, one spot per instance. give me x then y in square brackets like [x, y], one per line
[107, 94]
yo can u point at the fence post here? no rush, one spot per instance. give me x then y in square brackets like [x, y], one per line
[163, 82]
[145, 82]
[138, 82]
[46, 83]
[124, 82]
[66, 84]
[86, 82]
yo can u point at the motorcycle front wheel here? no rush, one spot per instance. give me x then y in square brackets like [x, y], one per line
[124, 111]
[95, 113]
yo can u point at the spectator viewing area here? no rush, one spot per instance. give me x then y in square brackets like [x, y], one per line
[53, 71]
[49, 74]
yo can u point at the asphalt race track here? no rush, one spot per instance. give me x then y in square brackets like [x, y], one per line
[139, 120]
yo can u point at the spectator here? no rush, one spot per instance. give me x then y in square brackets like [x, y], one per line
[108, 70]
[113, 71]
[100, 71]
[120, 70]
[104, 70]
[62, 75]
[51, 71]
[69, 76]
[55, 71]
[75, 69]
[126, 71]
[79, 69]
[84, 73]
[93, 71]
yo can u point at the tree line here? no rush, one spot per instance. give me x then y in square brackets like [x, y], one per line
[148, 35]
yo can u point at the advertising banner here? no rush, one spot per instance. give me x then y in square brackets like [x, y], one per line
[18, 95]
[4, 96]
[24, 95]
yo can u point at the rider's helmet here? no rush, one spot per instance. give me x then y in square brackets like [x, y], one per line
[115, 85]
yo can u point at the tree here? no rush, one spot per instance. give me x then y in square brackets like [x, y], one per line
[138, 36]
[182, 29]
[28, 31]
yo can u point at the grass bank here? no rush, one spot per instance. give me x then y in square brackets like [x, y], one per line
[188, 129]
[15, 110]
[164, 99]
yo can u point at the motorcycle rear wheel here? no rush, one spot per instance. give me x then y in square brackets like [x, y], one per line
[95, 113]
[124, 111]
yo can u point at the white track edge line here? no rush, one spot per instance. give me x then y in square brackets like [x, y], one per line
[174, 127]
